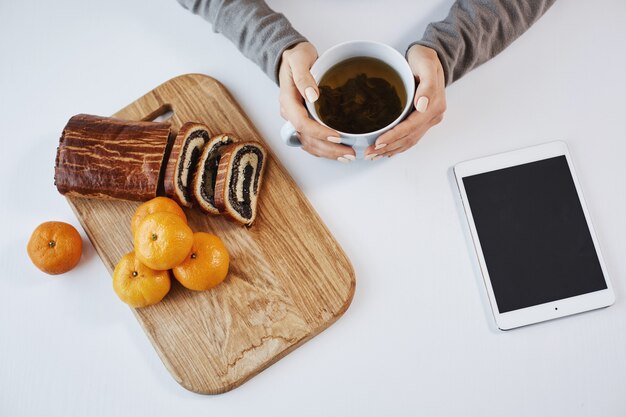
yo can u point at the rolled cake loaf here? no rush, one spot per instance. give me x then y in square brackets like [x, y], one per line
[239, 179]
[182, 162]
[203, 186]
[103, 157]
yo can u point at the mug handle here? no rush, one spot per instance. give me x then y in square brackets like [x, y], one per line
[289, 135]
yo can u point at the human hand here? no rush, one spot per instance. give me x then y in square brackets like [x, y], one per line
[296, 84]
[429, 102]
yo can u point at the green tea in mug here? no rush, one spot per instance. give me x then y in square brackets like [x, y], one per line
[360, 95]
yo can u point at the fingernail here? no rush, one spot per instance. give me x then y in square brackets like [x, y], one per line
[333, 139]
[311, 94]
[350, 157]
[422, 104]
[370, 156]
[380, 146]
[377, 157]
[343, 160]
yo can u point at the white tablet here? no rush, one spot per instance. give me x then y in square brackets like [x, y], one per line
[537, 250]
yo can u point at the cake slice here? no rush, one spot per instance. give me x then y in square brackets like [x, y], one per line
[239, 179]
[203, 187]
[182, 162]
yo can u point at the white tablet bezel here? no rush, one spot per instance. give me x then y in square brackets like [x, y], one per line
[553, 309]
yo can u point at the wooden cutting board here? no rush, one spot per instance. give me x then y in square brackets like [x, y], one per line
[288, 278]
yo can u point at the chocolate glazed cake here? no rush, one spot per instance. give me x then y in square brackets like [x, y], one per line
[183, 159]
[203, 186]
[103, 157]
[239, 179]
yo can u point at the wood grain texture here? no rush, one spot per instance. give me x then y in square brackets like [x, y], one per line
[103, 157]
[288, 279]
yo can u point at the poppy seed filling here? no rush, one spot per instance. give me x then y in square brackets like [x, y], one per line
[244, 182]
[189, 158]
[207, 188]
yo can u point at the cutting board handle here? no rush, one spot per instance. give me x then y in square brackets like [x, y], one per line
[162, 114]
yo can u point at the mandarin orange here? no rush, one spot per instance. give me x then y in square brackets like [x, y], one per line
[155, 205]
[55, 247]
[206, 265]
[137, 285]
[162, 240]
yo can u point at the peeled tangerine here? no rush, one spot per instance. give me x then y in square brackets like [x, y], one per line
[162, 240]
[206, 265]
[137, 285]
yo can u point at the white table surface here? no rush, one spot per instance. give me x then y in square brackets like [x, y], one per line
[418, 338]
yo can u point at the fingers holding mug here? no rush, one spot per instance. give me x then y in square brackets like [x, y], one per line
[315, 140]
[294, 111]
[415, 126]
[429, 104]
[296, 84]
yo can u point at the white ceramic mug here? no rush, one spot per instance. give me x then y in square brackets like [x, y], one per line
[339, 53]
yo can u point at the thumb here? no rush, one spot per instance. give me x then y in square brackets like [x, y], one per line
[304, 81]
[423, 96]
[427, 77]
[426, 90]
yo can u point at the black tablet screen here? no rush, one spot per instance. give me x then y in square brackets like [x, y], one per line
[533, 233]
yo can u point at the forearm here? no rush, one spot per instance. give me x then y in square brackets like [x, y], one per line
[260, 33]
[477, 30]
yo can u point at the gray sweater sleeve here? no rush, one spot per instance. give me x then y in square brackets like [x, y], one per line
[477, 30]
[260, 33]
